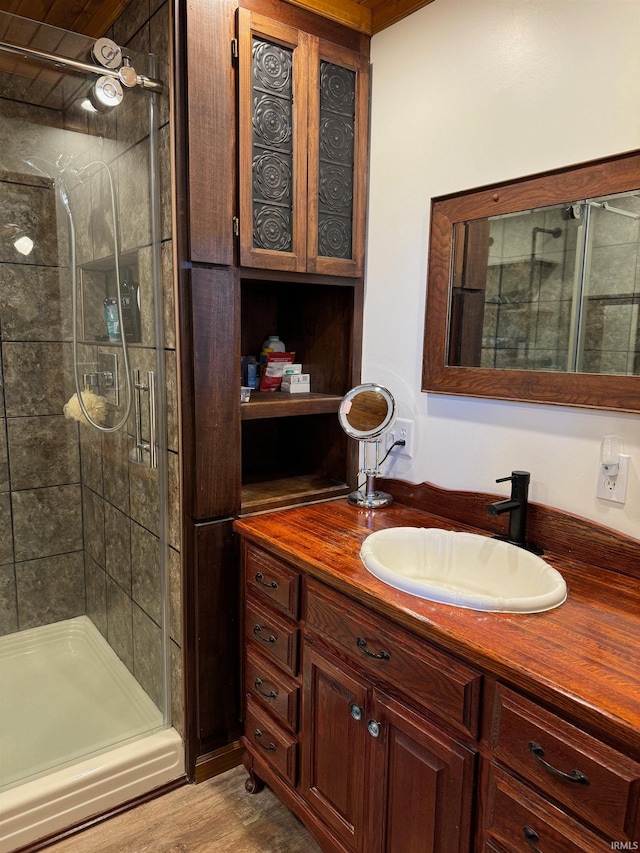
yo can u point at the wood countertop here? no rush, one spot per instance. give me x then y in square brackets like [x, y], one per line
[583, 657]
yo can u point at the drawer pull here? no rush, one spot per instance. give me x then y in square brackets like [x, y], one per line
[356, 711]
[362, 645]
[270, 639]
[531, 837]
[260, 579]
[272, 694]
[257, 735]
[574, 776]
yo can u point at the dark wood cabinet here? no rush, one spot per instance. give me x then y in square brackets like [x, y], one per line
[383, 741]
[278, 449]
[303, 149]
[375, 772]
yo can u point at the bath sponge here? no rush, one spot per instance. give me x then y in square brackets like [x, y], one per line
[95, 405]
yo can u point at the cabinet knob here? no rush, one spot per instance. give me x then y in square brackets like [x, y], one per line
[531, 837]
[373, 728]
[356, 711]
[573, 776]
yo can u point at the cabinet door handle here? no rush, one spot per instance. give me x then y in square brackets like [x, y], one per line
[356, 711]
[573, 776]
[257, 735]
[531, 837]
[257, 684]
[373, 727]
[269, 584]
[362, 645]
[270, 639]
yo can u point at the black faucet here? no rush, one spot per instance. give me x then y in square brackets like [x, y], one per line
[516, 506]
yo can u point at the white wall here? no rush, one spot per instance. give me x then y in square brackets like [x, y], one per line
[465, 93]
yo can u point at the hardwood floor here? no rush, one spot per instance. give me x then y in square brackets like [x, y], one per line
[216, 816]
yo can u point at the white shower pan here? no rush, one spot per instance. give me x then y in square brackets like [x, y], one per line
[78, 734]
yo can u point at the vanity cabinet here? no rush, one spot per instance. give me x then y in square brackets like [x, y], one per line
[372, 730]
[384, 740]
[303, 149]
[584, 786]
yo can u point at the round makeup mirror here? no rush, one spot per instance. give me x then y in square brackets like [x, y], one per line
[366, 413]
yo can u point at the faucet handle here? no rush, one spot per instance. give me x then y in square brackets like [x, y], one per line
[504, 479]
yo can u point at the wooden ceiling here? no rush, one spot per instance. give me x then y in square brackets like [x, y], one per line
[94, 17]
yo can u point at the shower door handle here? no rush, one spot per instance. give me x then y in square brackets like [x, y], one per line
[142, 446]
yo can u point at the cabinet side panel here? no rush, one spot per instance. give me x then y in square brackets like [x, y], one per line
[211, 130]
[216, 371]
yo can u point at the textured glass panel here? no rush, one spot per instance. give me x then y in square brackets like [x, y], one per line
[337, 122]
[272, 153]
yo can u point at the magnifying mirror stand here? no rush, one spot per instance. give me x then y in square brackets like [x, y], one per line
[370, 498]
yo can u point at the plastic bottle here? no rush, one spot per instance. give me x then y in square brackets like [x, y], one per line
[272, 344]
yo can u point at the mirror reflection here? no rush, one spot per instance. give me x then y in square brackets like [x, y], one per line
[366, 411]
[555, 288]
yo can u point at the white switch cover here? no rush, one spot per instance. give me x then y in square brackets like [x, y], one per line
[614, 488]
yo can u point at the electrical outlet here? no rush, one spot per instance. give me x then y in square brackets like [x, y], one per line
[401, 430]
[614, 488]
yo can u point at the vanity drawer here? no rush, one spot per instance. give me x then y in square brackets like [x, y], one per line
[518, 820]
[273, 635]
[595, 781]
[271, 689]
[425, 675]
[271, 742]
[272, 579]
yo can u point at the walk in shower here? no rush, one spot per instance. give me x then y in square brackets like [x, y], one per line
[85, 648]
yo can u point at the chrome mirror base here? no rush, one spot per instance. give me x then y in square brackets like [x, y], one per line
[370, 500]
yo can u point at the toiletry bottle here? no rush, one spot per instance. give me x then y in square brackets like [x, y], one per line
[112, 319]
[272, 344]
[130, 301]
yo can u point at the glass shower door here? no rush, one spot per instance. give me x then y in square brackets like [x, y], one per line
[83, 510]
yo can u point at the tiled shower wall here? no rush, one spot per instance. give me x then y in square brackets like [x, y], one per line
[98, 551]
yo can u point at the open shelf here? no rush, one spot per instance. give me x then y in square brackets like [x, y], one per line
[270, 494]
[276, 404]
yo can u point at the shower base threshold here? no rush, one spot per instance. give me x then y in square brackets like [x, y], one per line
[78, 734]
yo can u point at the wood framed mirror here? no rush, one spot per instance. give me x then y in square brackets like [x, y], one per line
[533, 289]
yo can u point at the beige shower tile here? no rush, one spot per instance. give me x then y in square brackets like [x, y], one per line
[36, 303]
[177, 709]
[117, 546]
[173, 474]
[133, 198]
[91, 457]
[33, 209]
[38, 378]
[96, 585]
[8, 605]
[47, 521]
[6, 530]
[115, 461]
[168, 295]
[175, 595]
[119, 623]
[43, 451]
[147, 654]
[93, 525]
[143, 487]
[145, 571]
[171, 399]
[4, 462]
[50, 589]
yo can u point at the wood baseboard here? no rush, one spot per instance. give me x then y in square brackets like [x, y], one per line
[219, 761]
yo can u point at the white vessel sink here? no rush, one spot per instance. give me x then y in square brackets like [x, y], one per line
[463, 569]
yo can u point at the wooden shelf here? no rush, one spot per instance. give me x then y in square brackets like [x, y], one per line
[276, 404]
[270, 494]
